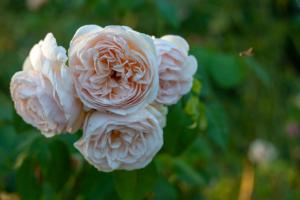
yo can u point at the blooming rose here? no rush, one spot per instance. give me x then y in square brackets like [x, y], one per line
[43, 93]
[114, 68]
[176, 68]
[111, 141]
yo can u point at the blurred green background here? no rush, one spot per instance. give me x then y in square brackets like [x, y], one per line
[235, 136]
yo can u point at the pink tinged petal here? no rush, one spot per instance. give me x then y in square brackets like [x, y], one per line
[192, 65]
[178, 41]
[35, 57]
[27, 64]
[86, 29]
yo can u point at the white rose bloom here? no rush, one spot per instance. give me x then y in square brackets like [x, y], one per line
[43, 93]
[176, 68]
[114, 68]
[111, 141]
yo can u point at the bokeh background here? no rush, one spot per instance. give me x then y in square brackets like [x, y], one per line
[235, 136]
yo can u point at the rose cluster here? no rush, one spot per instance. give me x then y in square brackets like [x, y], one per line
[116, 87]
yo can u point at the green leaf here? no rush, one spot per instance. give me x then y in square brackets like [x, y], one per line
[226, 70]
[164, 190]
[28, 183]
[259, 71]
[6, 108]
[187, 173]
[135, 185]
[198, 151]
[59, 165]
[8, 140]
[168, 11]
[20, 125]
[40, 151]
[126, 184]
[176, 133]
[102, 185]
[217, 124]
[180, 168]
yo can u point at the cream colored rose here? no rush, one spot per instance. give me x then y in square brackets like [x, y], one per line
[114, 68]
[176, 68]
[43, 93]
[111, 141]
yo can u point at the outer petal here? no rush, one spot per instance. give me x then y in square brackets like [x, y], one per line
[51, 51]
[85, 30]
[27, 66]
[178, 41]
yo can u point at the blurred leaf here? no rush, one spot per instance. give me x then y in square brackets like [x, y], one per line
[6, 108]
[8, 151]
[28, 185]
[181, 170]
[201, 73]
[126, 184]
[168, 10]
[39, 149]
[259, 71]
[226, 70]
[198, 151]
[127, 5]
[176, 133]
[28, 140]
[91, 184]
[187, 173]
[59, 166]
[164, 190]
[132, 185]
[20, 125]
[217, 124]
[9, 67]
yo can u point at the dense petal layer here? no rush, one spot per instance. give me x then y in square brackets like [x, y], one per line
[176, 68]
[114, 68]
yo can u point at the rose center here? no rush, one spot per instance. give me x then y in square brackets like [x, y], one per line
[115, 134]
[115, 75]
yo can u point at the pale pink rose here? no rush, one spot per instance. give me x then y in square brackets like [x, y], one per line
[43, 93]
[176, 68]
[112, 141]
[114, 68]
